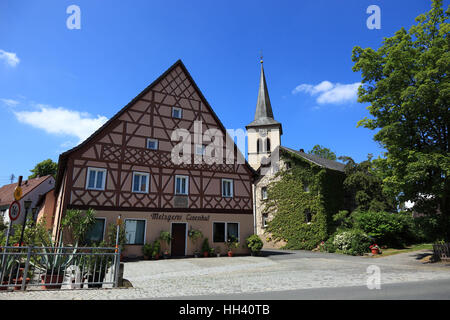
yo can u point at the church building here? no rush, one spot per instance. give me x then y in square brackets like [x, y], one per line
[268, 157]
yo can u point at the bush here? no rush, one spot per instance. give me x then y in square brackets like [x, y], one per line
[254, 243]
[391, 229]
[147, 250]
[354, 242]
[205, 245]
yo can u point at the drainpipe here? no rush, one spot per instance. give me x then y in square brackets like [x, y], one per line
[254, 208]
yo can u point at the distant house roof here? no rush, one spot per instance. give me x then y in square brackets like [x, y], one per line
[7, 191]
[326, 163]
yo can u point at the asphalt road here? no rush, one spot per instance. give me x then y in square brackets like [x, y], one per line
[418, 290]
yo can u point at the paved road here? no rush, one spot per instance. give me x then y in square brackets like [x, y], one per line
[277, 274]
[419, 290]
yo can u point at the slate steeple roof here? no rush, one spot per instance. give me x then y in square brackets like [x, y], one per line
[263, 113]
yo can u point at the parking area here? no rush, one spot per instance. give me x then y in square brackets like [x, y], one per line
[275, 271]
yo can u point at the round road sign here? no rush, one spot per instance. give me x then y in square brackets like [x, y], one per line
[14, 210]
[18, 193]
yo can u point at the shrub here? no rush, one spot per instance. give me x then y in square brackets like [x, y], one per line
[387, 228]
[254, 243]
[156, 248]
[147, 250]
[354, 242]
[205, 245]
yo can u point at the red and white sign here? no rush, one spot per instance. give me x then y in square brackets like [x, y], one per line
[14, 210]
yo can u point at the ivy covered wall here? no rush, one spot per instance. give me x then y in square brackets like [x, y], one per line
[302, 202]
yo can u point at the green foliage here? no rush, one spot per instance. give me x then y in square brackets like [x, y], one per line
[353, 241]
[323, 152]
[44, 168]
[165, 237]
[288, 199]
[195, 236]
[156, 248]
[147, 249]
[406, 82]
[98, 263]
[365, 186]
[205, 245]
[112, 233]
[254, 243]
[34, 234]
[390, 229]
[77, 223]
[231, 243]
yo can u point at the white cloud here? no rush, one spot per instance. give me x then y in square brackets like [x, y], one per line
[327, 92]
[62, 121]
[10, 58]
[10, 102]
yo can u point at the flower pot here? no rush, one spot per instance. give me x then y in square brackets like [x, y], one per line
[146, 258]
[19, 283]
[374, 251]
[48, 278]
[4, 283]
[230, 253]
[205, 254]
[218, 255]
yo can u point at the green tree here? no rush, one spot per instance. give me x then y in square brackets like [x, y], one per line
[77, 223]
[365, 187]
[406, 82]
[323, 152]
[44, 168]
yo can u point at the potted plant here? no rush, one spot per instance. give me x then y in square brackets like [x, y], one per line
[212, 251]
[195, 235]
[205, 247]
[147, 250]
[218, 251]
[375, 249]
[254, 243]
[231, 244]
[165, 237]
[156, 249]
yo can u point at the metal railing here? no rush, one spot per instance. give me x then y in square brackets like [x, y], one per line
[35, 268]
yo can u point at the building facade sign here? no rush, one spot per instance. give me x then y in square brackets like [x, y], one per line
[179, 217]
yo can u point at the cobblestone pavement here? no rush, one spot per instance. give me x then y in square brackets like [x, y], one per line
[276, 271]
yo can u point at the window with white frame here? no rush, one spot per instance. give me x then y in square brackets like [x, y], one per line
[134, 231]
[177, 113]
[96, 178]
[222, 231]
[200, 149]
[227, 188]
[181, 185]
[152, 144]
[140, 182]
[264, 193]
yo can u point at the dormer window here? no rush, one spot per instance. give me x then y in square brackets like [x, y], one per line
[177, 113]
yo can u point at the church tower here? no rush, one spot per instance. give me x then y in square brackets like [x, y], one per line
[264, 133]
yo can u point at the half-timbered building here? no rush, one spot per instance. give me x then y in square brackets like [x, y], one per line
[125, 169]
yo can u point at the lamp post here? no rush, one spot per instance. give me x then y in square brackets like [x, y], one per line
[27, 205]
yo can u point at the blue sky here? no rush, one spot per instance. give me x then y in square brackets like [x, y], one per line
[57, 85]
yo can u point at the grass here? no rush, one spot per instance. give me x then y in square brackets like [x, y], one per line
[415, 247]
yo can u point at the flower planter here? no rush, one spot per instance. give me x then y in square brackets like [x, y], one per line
[375, 251]
[230, 253]
[205, 254]
[4, 283]
[96, 277]
[19, 283]
[55, 280]
[218, 255]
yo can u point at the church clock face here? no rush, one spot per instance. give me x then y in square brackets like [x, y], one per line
[263, 132]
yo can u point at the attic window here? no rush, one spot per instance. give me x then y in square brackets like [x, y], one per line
[177, 113]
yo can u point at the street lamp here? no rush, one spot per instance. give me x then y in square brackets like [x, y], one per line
[27, 205]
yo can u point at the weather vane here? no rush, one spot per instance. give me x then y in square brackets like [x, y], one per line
[261, 55]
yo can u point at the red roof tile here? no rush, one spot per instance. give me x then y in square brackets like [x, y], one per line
[7, 191]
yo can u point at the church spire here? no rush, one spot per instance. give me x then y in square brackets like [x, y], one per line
[263, 113]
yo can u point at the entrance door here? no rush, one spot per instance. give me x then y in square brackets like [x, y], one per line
[178, 243]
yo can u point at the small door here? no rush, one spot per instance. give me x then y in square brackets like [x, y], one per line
[178, 243]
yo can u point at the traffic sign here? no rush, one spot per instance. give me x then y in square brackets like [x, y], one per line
[18, 193]
[14, 210]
